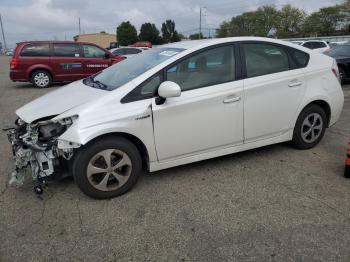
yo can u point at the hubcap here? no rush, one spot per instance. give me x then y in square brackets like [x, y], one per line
[311, 128]
[109, 169]
[41, 79]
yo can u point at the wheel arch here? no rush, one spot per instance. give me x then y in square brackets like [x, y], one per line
[44, 68]
[141, 147]
[324, 105]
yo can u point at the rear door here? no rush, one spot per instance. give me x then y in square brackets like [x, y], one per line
[94, 59]
[273, 89]
[66, 61]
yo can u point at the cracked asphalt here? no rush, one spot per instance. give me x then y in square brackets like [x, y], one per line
[270, 204]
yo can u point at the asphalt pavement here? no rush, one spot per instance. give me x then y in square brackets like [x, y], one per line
[270, 204]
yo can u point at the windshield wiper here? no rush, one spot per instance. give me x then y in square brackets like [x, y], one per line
[90, 81]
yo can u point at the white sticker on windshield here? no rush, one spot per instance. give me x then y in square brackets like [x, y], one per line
[169, 53]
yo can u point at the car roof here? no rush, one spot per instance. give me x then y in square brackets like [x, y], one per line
[54, 42]
[189, 44]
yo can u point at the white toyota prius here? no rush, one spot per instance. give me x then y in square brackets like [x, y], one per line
[176, 104]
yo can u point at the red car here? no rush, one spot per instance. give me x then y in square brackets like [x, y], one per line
[44, 62]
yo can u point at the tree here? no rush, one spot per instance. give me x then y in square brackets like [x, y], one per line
[324, 21]
[169, 33]
[196, 36]
[291, 21]
[126, 34]
[149, 32]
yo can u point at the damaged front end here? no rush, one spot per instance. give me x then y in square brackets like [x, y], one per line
[37, 149]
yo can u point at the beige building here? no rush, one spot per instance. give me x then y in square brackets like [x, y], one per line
[101, 39]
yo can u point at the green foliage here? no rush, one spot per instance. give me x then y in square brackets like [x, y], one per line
[169, 33]
[288, 21]
[196, 36]
[149, 32]
[126, 34]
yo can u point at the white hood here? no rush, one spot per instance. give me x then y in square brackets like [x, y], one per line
[59, 101]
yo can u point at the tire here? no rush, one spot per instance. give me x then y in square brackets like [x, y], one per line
[342, 75]
[115, 181]
[310, 127]
[41, 79]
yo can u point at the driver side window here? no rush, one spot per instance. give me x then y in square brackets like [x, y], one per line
[91, 51]
[212, 67]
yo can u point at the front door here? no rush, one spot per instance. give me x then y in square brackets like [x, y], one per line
[209, 113]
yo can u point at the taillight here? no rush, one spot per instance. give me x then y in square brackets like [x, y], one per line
[13, 63]
[335, 71]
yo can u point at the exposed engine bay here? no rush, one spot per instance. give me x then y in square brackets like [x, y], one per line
[36, 148]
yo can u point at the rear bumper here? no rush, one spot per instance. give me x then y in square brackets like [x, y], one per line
[16, 75]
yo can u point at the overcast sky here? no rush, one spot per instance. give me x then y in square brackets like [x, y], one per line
[58, 19]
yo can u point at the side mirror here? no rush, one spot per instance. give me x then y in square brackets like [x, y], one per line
[107, 56]
[167, 89]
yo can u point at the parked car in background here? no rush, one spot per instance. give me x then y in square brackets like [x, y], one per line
[44, 62]
[9, 52]
[177, 104]
[142, 44]
[318, 45]
[127, 51]
[341, 53]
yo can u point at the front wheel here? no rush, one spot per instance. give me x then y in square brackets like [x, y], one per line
[107, 168]
[310, 127]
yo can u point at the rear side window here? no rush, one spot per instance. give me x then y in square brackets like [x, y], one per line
[309, 45]
[38, 49]
[132, 51]
[319, 45]
[66, 50]
[300, 58]
[263, 59]
[119, 51]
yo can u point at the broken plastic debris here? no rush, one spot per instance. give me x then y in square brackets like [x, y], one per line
[16, 179]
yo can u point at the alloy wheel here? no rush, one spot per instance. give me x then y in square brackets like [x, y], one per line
[311, 128]
[109, 169]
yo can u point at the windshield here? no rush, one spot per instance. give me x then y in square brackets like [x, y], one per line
[130, 68]
[340, 50]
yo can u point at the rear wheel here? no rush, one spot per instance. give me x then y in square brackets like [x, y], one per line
[310, 127]
[41, 79]
[107, 168]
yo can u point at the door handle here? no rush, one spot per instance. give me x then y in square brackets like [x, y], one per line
[231, 99]
[295, 84]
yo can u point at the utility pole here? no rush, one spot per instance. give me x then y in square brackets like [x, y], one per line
[79, 26]
[200, 23]
[3, 35]
[201, 11]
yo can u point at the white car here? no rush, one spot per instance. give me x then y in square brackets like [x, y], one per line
[317, 45]
[177, 104]
[128, 51]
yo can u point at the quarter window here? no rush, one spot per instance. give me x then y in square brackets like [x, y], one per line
[39, 49]
[300, 58]
[211, 67]
[91, 51]
[66, 50]
[264, 59]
